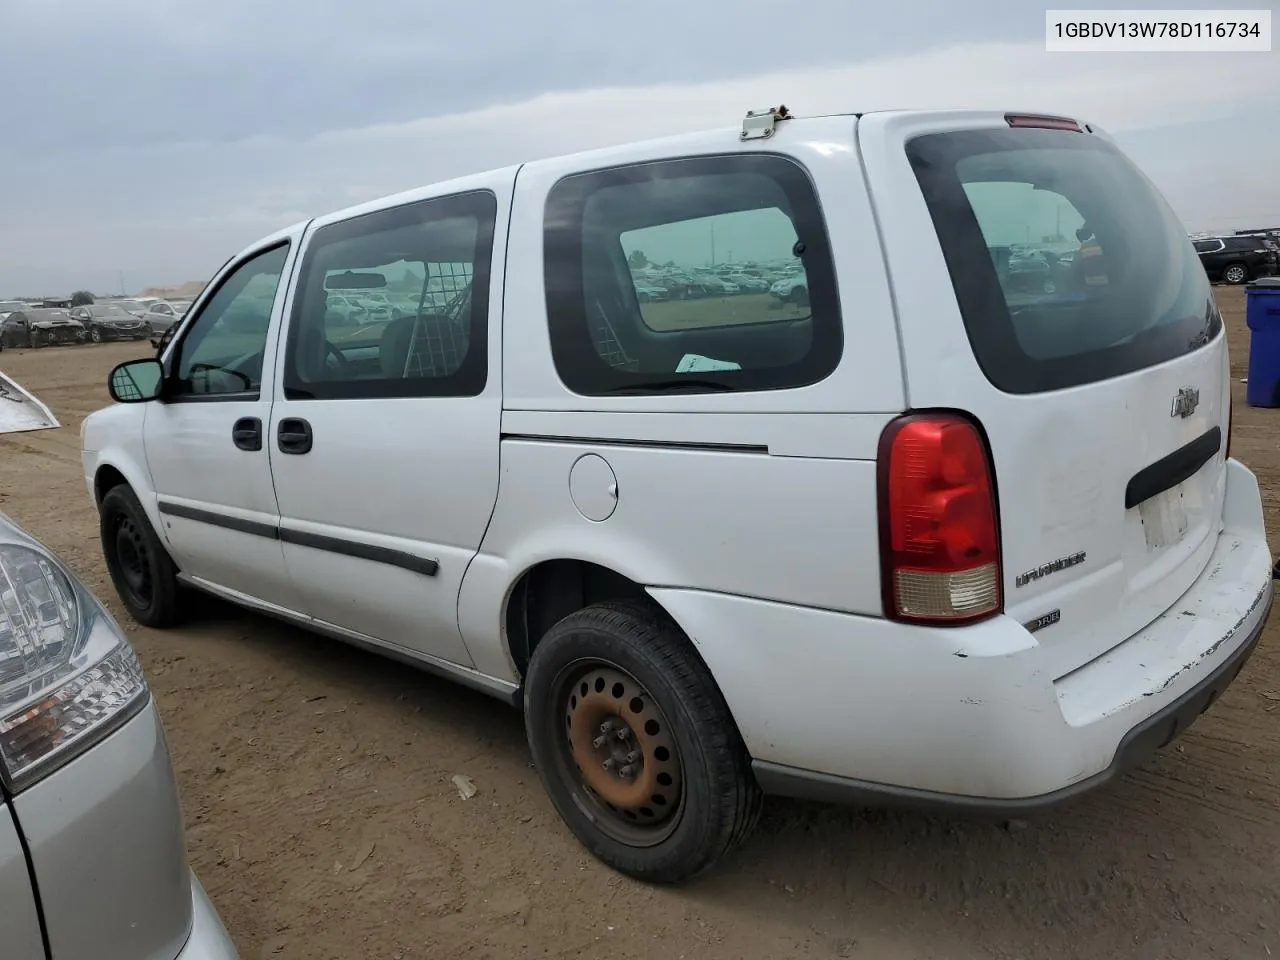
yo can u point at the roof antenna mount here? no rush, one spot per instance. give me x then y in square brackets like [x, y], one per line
[761, 124]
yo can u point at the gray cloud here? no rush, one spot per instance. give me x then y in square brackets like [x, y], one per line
[200, 128]
[181, 69]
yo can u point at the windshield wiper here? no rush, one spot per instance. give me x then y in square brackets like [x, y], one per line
[665, 386]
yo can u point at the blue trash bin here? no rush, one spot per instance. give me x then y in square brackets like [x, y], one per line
[1262, 314]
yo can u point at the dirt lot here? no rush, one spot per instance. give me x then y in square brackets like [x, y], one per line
[322, 820]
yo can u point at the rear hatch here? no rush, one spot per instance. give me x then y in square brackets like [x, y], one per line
[1089, 347]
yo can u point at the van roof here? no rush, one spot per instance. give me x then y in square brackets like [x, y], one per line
[604, 156]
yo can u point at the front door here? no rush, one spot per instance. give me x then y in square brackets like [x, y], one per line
[206, 437]
[384, 435]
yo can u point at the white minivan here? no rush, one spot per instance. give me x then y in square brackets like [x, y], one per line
[958, 527]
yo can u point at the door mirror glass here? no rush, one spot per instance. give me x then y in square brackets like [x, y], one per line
[136, 381]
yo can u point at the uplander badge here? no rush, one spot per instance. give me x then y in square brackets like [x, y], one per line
[1045, 569]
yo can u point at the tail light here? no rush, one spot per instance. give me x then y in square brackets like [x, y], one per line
[939, 535]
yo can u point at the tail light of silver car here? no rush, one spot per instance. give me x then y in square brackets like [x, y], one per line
[939, 532]
[67, 675]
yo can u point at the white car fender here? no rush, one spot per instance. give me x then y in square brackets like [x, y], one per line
[113, 437]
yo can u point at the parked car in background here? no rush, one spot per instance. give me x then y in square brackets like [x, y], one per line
[161, 315]
[988, 597]
[749, 284]
[9, 306]
[793, 289]
[110, 321]
[92, 850]
[649, 292]
[39, 327]
[1034, 272]
[1237, 260]
[135, 306]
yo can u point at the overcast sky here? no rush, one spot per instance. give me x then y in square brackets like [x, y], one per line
[157, 137]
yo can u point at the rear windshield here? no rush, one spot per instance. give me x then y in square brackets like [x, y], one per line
[1068, 265]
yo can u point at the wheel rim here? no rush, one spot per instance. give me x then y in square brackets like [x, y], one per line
[96, 335]
[133, 560]
[618, 753]
[1235, 274]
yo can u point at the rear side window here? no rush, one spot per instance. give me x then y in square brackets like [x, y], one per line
[695, 275]
[1068, 265]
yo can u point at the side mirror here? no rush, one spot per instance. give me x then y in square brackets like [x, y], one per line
[136, 381]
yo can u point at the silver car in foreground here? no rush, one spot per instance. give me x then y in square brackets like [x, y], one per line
[92, 857]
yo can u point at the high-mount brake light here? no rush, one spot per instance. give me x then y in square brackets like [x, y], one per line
[1047, 123]
[939, 534]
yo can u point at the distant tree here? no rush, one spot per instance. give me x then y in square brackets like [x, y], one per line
[637, 260]
[81, 298]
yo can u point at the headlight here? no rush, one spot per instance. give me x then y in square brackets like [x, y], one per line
[67, 675]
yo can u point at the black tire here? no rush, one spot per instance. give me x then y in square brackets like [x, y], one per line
[141, 569]
[715, 801]
[34, 339]
[95, 334]
[1235, 274]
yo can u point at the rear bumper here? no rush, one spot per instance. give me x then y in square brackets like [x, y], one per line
[842, 707]
[1136, 747]
[208, 940]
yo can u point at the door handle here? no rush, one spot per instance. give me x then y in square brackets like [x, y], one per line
[293, 435]
[247, 433]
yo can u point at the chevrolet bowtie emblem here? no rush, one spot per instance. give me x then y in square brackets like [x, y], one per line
[1185, 402]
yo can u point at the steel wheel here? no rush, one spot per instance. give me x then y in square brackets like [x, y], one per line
[141, 569]
[617, 685]
[133, 556]
[619, 754]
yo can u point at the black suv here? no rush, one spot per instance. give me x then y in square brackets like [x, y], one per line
[1238, 259]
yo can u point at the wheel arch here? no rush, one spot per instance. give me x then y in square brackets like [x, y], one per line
[109, 472]
[548, 590]
[107, 476]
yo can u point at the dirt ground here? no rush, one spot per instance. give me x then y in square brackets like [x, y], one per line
[322, 820]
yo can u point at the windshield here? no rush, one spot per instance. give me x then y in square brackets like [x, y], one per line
[1068, 265]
